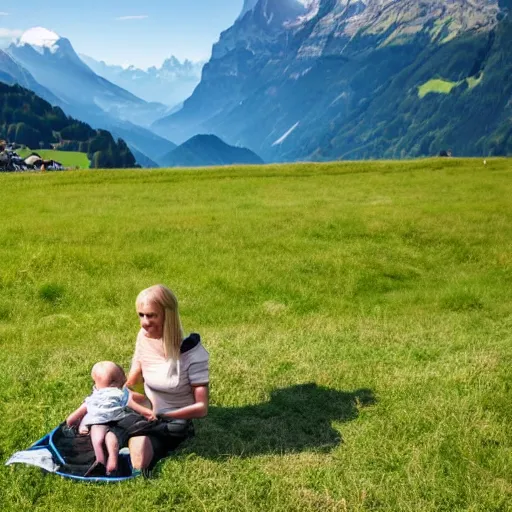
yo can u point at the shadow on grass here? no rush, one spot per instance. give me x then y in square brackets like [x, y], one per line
[295, 419]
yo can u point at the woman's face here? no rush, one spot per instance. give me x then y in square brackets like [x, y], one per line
[151, 318]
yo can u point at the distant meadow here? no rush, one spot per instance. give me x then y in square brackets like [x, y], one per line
[358, 318]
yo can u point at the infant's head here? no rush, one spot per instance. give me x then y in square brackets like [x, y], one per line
[107, 374]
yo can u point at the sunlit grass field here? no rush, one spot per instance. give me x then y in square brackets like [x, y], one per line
[358, 318]
[436, 85]
[440, 86]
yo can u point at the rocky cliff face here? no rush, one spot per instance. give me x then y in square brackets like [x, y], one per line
[289, 78]
[249, 5]
[238, 65]
[385, 22]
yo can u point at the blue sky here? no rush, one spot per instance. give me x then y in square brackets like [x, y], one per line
[125, 32]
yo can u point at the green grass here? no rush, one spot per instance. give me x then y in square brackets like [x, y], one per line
[436, 85]
[440, 86]
[358, 318]
[71, 159]
[474, 81]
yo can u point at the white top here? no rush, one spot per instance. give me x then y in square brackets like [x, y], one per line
[168, 384]
[106, 405]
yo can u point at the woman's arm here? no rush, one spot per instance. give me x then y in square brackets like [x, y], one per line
[135, 375]
[199, 409]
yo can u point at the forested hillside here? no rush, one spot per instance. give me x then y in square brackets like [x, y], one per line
[27, 119]
[454, 96]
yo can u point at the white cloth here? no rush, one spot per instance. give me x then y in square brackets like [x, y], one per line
[106, 405]
[40, 457]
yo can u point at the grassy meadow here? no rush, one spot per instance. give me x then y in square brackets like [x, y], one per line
[358, 318]
[441, 86]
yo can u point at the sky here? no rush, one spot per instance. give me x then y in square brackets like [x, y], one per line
[125, 32]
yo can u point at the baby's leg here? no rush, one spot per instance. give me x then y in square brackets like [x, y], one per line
[113, 452]
[98, 438]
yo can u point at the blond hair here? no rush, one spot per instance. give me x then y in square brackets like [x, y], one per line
[172, 335]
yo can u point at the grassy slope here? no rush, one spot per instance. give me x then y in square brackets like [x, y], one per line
[379, 282]
[440, 86]
[436, 85]
[66, 158]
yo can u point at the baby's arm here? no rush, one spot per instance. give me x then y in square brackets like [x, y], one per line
[76, 416]
[140, 409]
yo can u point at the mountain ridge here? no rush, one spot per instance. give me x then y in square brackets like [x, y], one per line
[295, 90]
[169, 84]
[61, 70]
[59, 75]
[208, 150]
[12, 73]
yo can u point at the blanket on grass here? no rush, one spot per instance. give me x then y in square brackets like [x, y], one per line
[66, 453]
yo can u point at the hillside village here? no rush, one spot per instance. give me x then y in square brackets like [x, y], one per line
[11, 161]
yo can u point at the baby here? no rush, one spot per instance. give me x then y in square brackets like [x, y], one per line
[100, 412]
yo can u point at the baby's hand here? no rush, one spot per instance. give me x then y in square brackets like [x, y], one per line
[149, 415]
[83, 430]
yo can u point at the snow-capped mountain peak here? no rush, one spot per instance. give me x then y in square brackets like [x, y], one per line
[40, 38]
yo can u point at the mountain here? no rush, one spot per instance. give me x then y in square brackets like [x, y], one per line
[238, 65]
[249, 5]
[140, 140]
[12, 73]
[169, 84]
[29, 120]
[55, 67]
[329, 79]
[143, 160]
[206, 150]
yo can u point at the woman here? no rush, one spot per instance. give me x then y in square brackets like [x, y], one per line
[175, 374]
